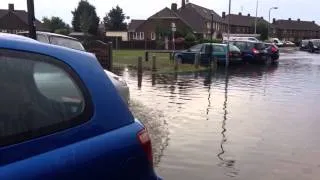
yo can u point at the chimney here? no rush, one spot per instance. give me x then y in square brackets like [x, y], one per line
[274, 20]
[183, 3]
[261, 17]
[240, 14]
[249, 15]
[313, 22]
[174, 7]
[299, 20]
[223, 14]
[289, 19]
[11, 7]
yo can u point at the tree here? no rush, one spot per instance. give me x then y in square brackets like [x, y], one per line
[85, 18]
[262, 29]
[54, 23]
[114, 20]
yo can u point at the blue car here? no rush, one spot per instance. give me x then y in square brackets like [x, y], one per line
[61, 117]
[256, 52]
[218, 52]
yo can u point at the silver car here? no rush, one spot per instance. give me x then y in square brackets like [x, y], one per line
[73, 43]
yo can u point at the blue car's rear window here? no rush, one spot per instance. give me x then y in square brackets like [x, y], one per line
[39, 96]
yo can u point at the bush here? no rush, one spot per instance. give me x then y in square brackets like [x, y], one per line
[62, 31]
[190, 40]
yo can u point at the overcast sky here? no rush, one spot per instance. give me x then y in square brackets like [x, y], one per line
[142, 9]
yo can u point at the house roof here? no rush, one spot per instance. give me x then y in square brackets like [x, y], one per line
[203, 12]
[197, 16]
[297, 25]
[22, 15]
[243, 20]
[165, 13]
[134, 24]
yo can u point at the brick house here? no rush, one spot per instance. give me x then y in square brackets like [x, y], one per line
[242, 24]
[295, 30]
[189, 17]
[147, 29]
[13, 21]
[200, 19]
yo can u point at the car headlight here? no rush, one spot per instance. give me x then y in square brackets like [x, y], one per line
[315, 46]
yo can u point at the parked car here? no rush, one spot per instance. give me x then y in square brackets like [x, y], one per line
[314, 45]
[254, 52]
[277, 42]
[73, 43]
[304, 45]
[289, 44]
[273, 51]
[77, 130]
[233, 37]
[208, 50]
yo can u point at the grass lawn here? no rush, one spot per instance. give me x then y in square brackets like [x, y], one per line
[164, 65]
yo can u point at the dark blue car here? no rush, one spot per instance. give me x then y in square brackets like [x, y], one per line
[254, 52]
[207, 51]
[61, 117]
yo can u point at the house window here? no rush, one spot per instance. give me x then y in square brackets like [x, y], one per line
[153, 36]
[141, 35]
[135, 36]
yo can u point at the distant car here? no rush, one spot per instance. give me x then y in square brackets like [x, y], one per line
[78, 129]
[314, 45]
[304, 45]
[277, 42]
[273, 51]
[254, 52]
[218, 52]
[239, 38]
[73, 43]
[289, 44]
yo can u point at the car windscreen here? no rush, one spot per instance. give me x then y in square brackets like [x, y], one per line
[66, 42]
[234, 48]
[196, 48]
[259, 46]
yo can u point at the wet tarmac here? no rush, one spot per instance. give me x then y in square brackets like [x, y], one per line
[247, 122]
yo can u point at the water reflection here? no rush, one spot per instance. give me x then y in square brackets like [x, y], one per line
[228, 163]
[242, 123]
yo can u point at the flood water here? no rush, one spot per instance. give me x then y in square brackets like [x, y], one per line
[250, 122]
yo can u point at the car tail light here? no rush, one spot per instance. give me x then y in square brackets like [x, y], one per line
[273, 49]
[145, 142]
[255, 51]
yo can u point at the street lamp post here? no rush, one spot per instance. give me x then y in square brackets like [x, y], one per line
[256, 19]
[31, 19]
[211, 27]
[270, 20]
[173, 29]
[228, 43]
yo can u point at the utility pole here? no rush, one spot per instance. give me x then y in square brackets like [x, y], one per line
[270, 20]
[211, 27]
[228, 44]
[256, 19]
[31, 19]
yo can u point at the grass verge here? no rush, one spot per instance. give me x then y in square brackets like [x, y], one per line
[129, 58]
